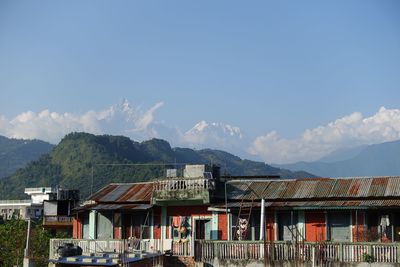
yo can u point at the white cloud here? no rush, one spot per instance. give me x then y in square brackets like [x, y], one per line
[349, 131]
[52, 126]
[139, 124]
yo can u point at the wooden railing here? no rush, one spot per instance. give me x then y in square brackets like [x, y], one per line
[57, 220]
[301, 251]
[175, 184]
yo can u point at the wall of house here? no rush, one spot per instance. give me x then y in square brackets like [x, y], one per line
[358, 226]
[195, 212]
[339, 228]
[76, 228]
[117, 225]
[157, 223]
[222, 226]
[269, 226]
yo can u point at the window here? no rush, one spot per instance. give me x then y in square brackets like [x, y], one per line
[287, 226]
[339, 226]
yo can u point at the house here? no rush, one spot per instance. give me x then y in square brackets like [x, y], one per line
[27, 208]
[324, 209]
[208, 218]
[57, 209]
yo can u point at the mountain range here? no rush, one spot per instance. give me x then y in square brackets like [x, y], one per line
[89, 162]
[371, 160]
[16, 153]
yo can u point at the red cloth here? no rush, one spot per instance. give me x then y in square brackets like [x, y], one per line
[176, 221]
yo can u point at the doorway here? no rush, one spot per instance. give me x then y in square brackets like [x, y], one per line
[203, 229]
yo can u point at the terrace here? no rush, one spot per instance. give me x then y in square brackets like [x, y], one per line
[215, 252]
[191, 190]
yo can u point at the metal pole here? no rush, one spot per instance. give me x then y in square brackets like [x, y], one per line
[262, 220]
[291, 224]
[91, 185]
[226, 214]
[26, 261]
[28, 233]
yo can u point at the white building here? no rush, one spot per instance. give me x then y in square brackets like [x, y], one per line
[30, 208]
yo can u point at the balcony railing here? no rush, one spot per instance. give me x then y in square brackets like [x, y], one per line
[207, 250]
[119, 246]
[196, 184]
[14, 202]
[303, 252]
[57, 221]
[195, 190]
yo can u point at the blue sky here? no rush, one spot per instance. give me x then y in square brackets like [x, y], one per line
[272, 70]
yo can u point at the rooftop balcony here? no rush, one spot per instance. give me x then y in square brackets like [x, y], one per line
[190, 190]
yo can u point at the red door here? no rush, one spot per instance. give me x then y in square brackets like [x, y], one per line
[315, 226]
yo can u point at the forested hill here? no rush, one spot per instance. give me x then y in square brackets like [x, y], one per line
[69, 164]
[16, 153]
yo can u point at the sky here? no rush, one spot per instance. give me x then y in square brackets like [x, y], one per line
[279, 81]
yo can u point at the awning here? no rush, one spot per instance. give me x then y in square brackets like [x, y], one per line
[119, 207]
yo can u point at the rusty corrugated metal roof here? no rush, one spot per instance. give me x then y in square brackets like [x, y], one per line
[124, 193]
[334, 204]
[393, 187]
[336, 188]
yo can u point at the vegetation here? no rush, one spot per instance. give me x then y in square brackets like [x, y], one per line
[16, 153]
[13, 241]
[71, 162]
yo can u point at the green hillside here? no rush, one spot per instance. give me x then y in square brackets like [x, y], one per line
[71, 162]
[16, 153]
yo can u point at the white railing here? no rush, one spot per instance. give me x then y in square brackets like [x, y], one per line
[12, 202]
[119, 246]
[206, 250]
[300, 251]
[182, 249]
[89, 246]
[184, 184]
[40, 190]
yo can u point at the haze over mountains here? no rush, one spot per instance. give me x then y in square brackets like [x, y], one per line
[372, 160]
[69, 164]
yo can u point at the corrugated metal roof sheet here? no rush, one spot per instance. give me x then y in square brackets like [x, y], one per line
[337, 204]
[378, 187]
[393, 187]
[340, 187]
[122, 193]
[316, 188]
[274, 190]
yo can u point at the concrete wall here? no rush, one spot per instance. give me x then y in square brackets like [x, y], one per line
[194, 171]
[50, 208]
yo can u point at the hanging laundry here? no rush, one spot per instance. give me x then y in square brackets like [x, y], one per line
[176, 221]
